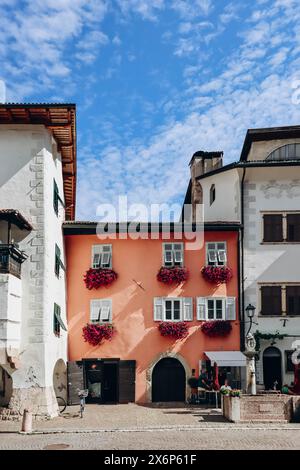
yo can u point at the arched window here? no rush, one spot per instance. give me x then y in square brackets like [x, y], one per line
[212, 194]
[286, 152]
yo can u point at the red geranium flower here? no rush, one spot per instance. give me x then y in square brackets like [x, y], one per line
[98, 277]
[95, 333]
[217, 274]
[216, 328]
[177, 330]
[174, 275]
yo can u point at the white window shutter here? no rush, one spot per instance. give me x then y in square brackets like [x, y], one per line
[187, 308]
[230, 313]
[201, 308]
[95, 310]
[158, 308]
[106, 310]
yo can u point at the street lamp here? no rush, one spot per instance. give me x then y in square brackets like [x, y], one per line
[250, 311]
[250, 352]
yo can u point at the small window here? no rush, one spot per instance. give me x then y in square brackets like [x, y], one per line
[58, 262]
[216, 253]
[173, 254]
[102, 256]
[56, 322]
[293, 227]
[286, 152]
[273, 228]
[215, 309]
[271, 303]
[101, 311]
[55, 197]
[173, 310]
[212, 194]
[293, 300]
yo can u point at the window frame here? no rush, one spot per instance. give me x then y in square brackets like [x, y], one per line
[99, 321]
[215, 299]
[286, 157]
[173, 251]
[56, 324]
[285, 240]
[212, 194]
[101, 253]
[216, 249]
[173, 300]
[56, 197]
[284, 299]
[58, 262]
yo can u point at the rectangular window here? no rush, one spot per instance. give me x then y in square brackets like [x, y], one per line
[293, 300]
[271, 303]
[56, 322]
[57, 260]
[102, 256]
[273, 228]
[293, 227]
[55, 197]
[173, 310]
[216, 253]
[215, 309]
[101, 311]
[173, 254]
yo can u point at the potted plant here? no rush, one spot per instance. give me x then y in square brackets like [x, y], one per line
[177, 330]
[193, 383]
[216, 328]
[217, 274]
[175, 275]
[95, 333]
[99, 277]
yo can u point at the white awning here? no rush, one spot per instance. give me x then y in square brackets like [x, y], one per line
[227, 358]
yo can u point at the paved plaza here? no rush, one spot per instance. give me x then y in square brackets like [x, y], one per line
[140, 427]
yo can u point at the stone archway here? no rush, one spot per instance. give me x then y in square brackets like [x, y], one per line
[149, 373]
[60, 379]
[6, 387]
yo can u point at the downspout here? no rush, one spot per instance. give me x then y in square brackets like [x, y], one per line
[241, 267]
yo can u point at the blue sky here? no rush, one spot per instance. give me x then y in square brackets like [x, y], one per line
[154, 81]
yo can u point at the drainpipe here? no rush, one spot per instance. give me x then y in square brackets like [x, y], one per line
[241, 261]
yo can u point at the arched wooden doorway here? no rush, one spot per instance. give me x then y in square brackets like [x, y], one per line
[272, 368]
[168, 381]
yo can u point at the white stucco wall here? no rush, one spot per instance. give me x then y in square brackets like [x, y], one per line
[29, 162]
[10, 314]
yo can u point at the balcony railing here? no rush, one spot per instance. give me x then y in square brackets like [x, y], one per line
[11, 259]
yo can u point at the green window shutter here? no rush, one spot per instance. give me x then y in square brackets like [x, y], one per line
[55, 197]
[57, 260]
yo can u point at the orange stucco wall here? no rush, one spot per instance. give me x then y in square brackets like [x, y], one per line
[137, 336]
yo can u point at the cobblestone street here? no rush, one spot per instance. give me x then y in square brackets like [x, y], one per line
[138, 427]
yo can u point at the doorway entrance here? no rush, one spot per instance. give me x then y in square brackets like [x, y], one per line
[272, 368]
[168, 381]
[101, 378]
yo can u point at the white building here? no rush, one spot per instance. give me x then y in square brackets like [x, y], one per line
[37, 193]
[262, 191]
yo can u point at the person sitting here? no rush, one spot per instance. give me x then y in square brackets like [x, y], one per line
[204, 381]
[286, 390]
[226, 387]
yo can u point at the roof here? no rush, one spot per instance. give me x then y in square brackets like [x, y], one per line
[15, 217]
[60, 120]
[92, 228]
[268, 133]
[207, 155]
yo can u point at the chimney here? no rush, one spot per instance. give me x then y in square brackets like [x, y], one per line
[200, 164]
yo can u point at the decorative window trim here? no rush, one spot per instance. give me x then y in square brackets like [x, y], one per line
[283, 286]
[218, 253]
[101, 256]
[101, 311]
[173, 253]
[284, 215]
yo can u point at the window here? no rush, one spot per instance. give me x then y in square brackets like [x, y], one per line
[101, 311]
[58, 262]
[173, 309]
[289, 366]
[293, 227]
[102, 256]
[212, 194]
[273, 228]
[56, 198]
[285, 152]
[173, 254]
[293, 300]
[216, 253]
[216, 308]
[271, 303]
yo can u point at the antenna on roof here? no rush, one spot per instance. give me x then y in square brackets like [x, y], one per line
[2, 91]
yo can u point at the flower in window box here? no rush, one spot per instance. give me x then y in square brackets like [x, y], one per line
[217, 274]
[95, 333]
[99, 277]
[177, 330]
[216, 328]
[174, 275]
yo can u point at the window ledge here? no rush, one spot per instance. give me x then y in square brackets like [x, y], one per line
[280, 243]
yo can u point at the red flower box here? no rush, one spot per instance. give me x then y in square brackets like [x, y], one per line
[216, 328]
[95, 278]
[177, 330]
[174, 275]
[217, 274]
[94, 333]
